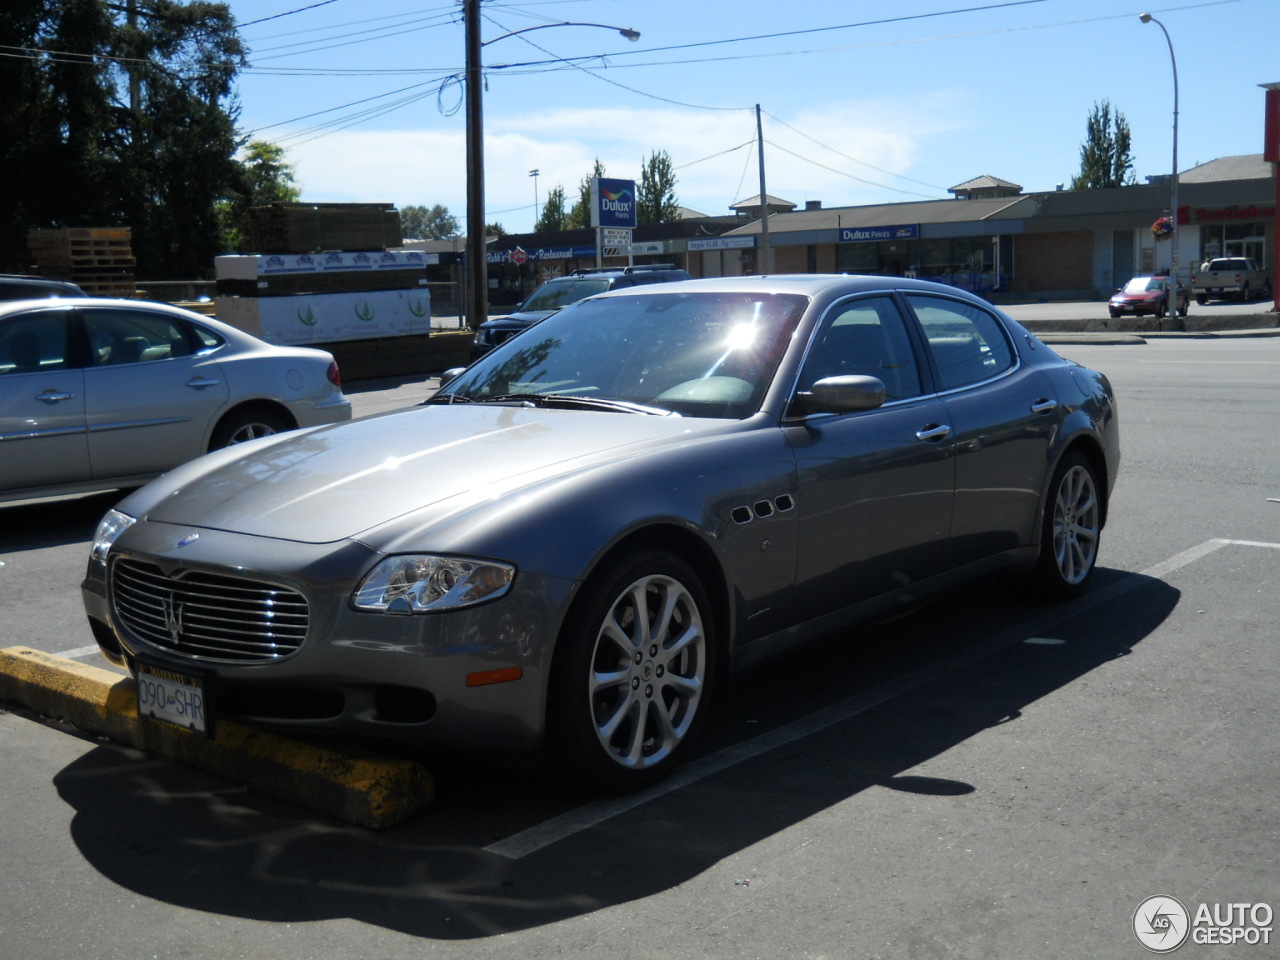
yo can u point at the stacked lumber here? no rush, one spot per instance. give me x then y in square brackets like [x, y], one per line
[312, 227]
[99, 259]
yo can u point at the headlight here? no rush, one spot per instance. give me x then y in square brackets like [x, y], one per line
[426, 584]
[108, 532]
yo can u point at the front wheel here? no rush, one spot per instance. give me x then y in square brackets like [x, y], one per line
[1071, 528]
[632, 674]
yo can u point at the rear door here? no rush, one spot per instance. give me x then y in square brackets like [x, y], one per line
[42, 403]
[1003, 417]
[151, 398]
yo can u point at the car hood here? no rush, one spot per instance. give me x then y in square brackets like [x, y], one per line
[337, 482]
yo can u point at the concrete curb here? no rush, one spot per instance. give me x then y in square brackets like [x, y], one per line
[372, 792]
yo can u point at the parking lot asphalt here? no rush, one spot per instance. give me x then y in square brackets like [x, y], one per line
[1052, 769]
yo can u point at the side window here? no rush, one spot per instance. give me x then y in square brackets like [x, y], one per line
[34, 342]
[968, 344]
[864, 337]
[133, 336]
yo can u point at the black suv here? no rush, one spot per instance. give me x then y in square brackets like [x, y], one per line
[14, 287]
[562, 291]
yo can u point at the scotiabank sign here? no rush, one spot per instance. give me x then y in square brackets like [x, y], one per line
[1220, 214]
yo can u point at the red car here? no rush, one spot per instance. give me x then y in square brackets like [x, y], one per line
[1148, 295]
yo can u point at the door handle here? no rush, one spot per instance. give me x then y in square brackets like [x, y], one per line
[199, 383]
[1044, 406]
[933, 432]
[53, 396]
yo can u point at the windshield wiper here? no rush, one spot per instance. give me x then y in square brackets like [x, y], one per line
[573, 400]
[445, 398]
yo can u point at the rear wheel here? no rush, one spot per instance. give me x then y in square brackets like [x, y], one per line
[1071, 528]
[245, 425]
[632, 676]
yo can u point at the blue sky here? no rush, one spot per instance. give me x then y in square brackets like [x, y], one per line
[864, 102]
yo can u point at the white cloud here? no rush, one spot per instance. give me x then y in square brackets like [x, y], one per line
[429, 166]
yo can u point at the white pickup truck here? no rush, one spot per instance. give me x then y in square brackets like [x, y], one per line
[1228, 276]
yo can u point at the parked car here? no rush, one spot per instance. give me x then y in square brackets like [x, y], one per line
[14, 287]
[580, 537]
[1228, 277]
[1148, 294]
[100, 394]
[559, 293]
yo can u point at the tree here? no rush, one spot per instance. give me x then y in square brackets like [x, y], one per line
[553, 216]
[495, 229]
[580, 215]
[1105, 159]
[655, 194]
[263, 177]
[427, 223]
[122, 117]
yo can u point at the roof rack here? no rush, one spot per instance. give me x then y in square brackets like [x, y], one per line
[638, 268]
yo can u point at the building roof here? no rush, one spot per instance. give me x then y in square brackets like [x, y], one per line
[984, 182]
[752, 203]
[894, 214]
[1248, 167]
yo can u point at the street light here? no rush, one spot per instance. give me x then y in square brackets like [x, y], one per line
[1173, 202]
[477, 256]
[534, 174]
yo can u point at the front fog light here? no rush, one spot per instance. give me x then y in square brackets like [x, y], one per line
[422, 584]
[109, 530]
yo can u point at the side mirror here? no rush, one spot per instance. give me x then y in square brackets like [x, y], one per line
[451, 374]
[844, 394]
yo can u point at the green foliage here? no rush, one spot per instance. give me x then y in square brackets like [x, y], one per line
[427, 223]
[655, 194]
[495, 229]
[580, 215]
[136, 128]
[1105, 158]
[263, 177]
[553, 214]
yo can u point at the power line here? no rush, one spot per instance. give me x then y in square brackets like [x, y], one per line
[287, 13]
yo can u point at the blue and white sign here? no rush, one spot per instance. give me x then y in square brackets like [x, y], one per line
[613, 203]
[906, 231]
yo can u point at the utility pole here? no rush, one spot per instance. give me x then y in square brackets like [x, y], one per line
[765, 259]
[477, 253]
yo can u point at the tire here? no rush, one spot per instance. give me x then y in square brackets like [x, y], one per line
[1070, 531]
[629, 693]
[1115, 314]
[242, 425]
[1202, 299]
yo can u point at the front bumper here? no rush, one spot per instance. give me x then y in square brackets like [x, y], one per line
[407, 678]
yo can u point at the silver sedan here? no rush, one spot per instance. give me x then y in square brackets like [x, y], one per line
[579, 538]
[101, 394]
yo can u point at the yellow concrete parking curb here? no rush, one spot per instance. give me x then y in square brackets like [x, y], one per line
[373, 792]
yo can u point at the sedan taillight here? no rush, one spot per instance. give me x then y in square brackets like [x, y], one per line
[334, 376]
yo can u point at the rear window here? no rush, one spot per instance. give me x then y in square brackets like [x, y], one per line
[554, 295]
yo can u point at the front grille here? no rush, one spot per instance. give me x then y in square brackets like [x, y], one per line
[208, 616]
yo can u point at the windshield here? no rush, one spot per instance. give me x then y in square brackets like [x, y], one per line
[1144, 284]
[553, 296]
[705, 354]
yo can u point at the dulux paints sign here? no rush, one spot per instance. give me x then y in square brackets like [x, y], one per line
[613, 203]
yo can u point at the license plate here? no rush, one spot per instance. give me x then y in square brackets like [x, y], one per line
[171, 697]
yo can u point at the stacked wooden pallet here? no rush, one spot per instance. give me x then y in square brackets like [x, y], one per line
[312, 227]
[99, 259]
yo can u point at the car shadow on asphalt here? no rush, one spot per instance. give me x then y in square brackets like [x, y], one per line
[35, 524]
[181, 837]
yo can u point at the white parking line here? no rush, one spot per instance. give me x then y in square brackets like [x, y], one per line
[78, 652]
[566, 825]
